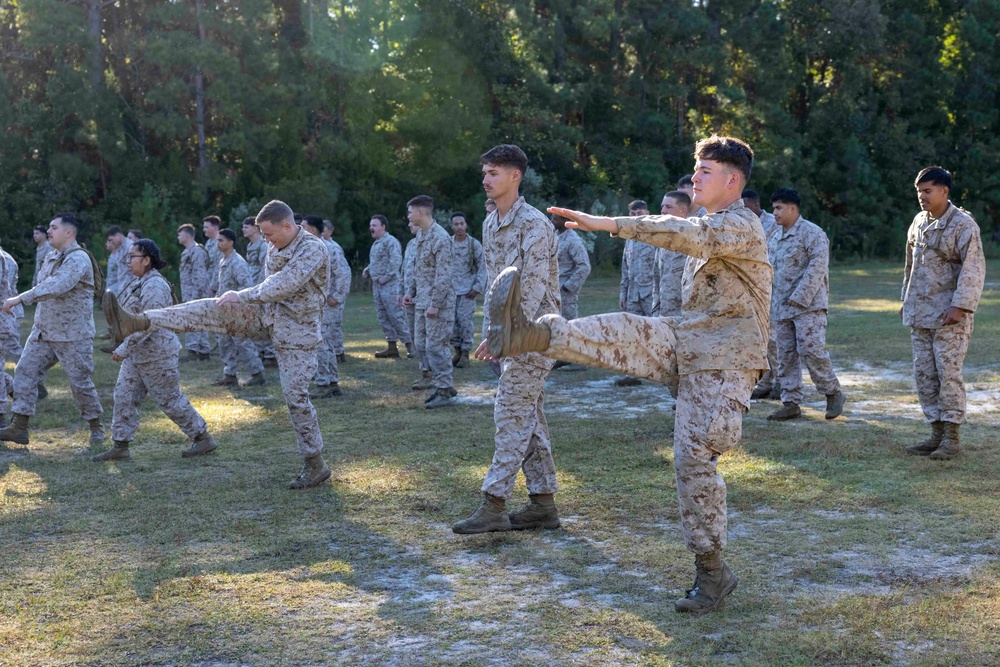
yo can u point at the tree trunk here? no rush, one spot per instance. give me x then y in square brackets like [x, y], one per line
[199, 95]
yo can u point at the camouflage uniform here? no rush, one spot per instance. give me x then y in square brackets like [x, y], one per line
[256, 257]
[337, 287]
[574, 267]
[41, 252]
[800, 256]
[767, 382]
[149, 366]
[669, 272]
[195, 285]
[9, 331]
[384, 263]
[433, 287]
[214, 259]
[712, 354]
[638, 277]
[769, 224]
[945, 268]
[526, 239]
[63, 331]
[409, 287]
[118, 274]
[286, 308]
[468, 274]
[234, 275]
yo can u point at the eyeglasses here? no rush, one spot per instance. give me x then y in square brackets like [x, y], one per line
[131, 257]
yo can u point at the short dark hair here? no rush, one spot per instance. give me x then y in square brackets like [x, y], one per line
[506, 155]
[68, 218]
[313, 221]
[213, 220]
[786, 196]
[682, 197]
[249, 221]
[459, 214]
[137, 233]
[421, 201]
[382, 219]
[752, 195]
[297, 217]
[148, 248]
[228, 233]
[113, 230]
[637, 205]
[684, 181]
[729, 151]
[39, 228]
[328, 225]
[935, 176]
[275, 212]
[187, 228]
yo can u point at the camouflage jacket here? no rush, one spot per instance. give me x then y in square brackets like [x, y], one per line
[409, 284]
[800, 256]
[468, 266]
[41, 252]
[638, 271]
[65, 296]
[339, 285]
[214, 259]
[194, 273]
[385, 259]
[669, 274]
[945, 267]
[256, 256]
[432, 270]
[154, 344]
[574, 263]
[234, 274]
[726, 288]
[119, 273]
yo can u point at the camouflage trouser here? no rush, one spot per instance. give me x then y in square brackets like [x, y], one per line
[236, 351]
[411, 315]
[77, 359]
[335, 326]
[9, 339]
[7, 387]
[568, 306]
[803, 339]
[430, 335]
[17, 349]
[710, 406]
[938, 355]
[522, 436]
[296, 365]
[390, 313]
[264, 349]
[327, 370]
[196, 341]
[768, 381]
[465, 313]
[161, 381]
[640, 306]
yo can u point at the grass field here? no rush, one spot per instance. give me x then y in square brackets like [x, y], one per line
[848, 551]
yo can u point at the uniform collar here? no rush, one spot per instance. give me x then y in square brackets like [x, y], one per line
[511, 214]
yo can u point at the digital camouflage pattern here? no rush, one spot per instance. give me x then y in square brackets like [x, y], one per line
[669, 275]
[195, 284]
[468, 275]
[433, 287]
[256, 257]
[214, 259]
[638, 282]
[385, 261]
[800, 256]
[41, 252]
[118, 273]
[574, 267]
[332, 326]
[409, 284]
[802, 340]
[234, 275]
[149, 366]
[945, 268]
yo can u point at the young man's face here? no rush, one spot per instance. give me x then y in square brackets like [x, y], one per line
[312, 230]
[713, 184]
[327, 231]
[932, 197]
[754, 206]
[60, 236]
[671, 206]
[40, 237]
[376, 228]
[490, 206]
[637, 211]
[211, 231]
[278, 234]
[412, 227]
[114, 242]
[132, 237]
[498, 182]
[785, 213]
[249, 231]
[184, 238]
[459, 226]
[225, 245]
[418, 215]
[558, 222]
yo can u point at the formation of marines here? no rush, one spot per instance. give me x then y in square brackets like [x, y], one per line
[721, 302]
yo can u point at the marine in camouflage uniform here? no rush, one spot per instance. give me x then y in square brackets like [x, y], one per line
[767, 387]
[433, 297]
[285, 308]
[234, 275]
[337, 286]
[149, 368]
[638, 278]
[800, 253]
[42, 251]
[195, 284]
[63, 331]
[118, 274]
[469, 281]
[943, 281]
[670, 264]
[521, 237]
[385, 262]
[256, 255]
[409, 287]
[574, 267]
[9, 333]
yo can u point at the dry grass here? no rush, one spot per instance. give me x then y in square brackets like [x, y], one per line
[849, 552]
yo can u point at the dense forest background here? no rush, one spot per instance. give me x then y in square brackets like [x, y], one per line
[150, 113]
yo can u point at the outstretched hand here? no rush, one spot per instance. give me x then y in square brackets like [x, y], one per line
[584, 221]
[228, 297]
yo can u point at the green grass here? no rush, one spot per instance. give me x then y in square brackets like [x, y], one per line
[848, 551]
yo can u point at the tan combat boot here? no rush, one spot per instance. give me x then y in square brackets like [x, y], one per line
[119, 452]
[425, 382]
[712, 583]
[950, 446]
[835, 404]
[315, 472]
[463, 360]
[391, 351]
[491, 516]
[203, 444]
[97, 430]
[931, 443]
[510, 332]
[17, 431]
[121, 323]
[540, 512]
